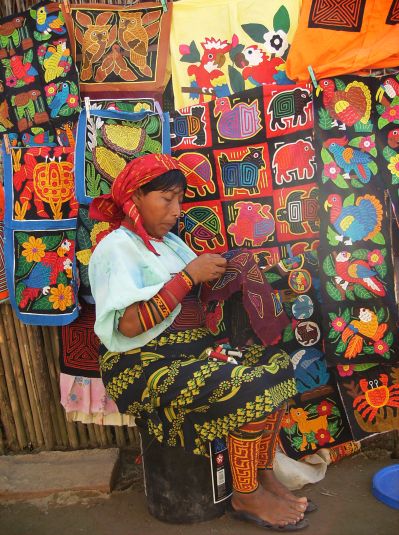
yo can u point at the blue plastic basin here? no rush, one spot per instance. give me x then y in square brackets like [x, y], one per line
[386, 485]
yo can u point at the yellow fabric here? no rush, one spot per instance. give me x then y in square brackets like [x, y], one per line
[196, 20]
[335, 52]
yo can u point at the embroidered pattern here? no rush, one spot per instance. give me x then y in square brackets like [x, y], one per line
[237, 194]
[34, 49]
[80, 345]
[332, 15]
[107, 140]
[371, 398]
[393, 15]
[120, 47]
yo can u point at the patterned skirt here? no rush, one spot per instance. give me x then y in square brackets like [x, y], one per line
[188, 399]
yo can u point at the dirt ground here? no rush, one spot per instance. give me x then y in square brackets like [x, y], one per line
[346, 507]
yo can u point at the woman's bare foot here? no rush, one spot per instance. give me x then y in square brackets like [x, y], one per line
[269, 481]
[269, 507]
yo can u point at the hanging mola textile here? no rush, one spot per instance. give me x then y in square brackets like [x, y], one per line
[226, 46]
[39, 86]
[360, 316]
[120, 48]
[344, 37]
[40, 234]
[3, 283]
[249, 160]
[370, 394]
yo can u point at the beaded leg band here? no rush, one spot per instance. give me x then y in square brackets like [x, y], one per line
[269, 439]
[243, 445]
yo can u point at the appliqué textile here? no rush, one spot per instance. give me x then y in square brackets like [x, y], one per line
[314, 420]
[120, 48]
[371, 398]
[40, 230]
[359, 311]
[233, 45]
[338, 38]
[39, 87]
[3, 282]
[243, 274]
[107, 140]
[250, 168]
[80, 345]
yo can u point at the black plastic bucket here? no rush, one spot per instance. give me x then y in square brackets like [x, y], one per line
[178, 484]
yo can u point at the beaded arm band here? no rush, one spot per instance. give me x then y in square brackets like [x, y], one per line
[159, 307]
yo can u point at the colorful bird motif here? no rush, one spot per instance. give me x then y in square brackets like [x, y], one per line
[349, 159]
[366, 326]
[37, 138]
[55, 61]
[207, 78]
[393, 138]
[357, 271]
[44, 274]
[359, 221]
[46, 23]
[349, 106]
[21, 70]
[254, 223]
[256, 66]
[59, 99]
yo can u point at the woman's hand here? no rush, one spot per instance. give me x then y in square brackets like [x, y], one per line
[206, 267]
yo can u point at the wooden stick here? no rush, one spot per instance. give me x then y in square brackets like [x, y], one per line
[55, 382]
[29, 378]
[43, 386]
[120, 436]
[6, 416]
[82, 435]
[92, 436]
[12, 388]
[18, 373]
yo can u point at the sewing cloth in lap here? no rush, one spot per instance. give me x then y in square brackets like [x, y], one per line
[249, 162]
[40, 234]
[39, 88]
[243, 274]
[108, 139]
[370, 395]
[344, 37]
[120, 48]
[355, 162]
[80, 345]
[314, 420]
[220, 47]
[3, 282]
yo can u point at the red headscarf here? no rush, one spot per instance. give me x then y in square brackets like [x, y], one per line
[114, 206]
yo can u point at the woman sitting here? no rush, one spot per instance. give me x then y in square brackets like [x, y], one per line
[153, 359]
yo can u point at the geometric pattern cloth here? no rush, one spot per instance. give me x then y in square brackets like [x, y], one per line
[39, 89]
[338, 38]
[249, 160]
[354, 161]
[40, 234]
[225, 47]
[80, 345]
[120, 48]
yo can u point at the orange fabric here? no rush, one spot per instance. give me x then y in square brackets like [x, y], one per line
[343, 37]
[269, 440]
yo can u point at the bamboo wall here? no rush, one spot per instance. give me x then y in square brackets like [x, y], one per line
[31, 415]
